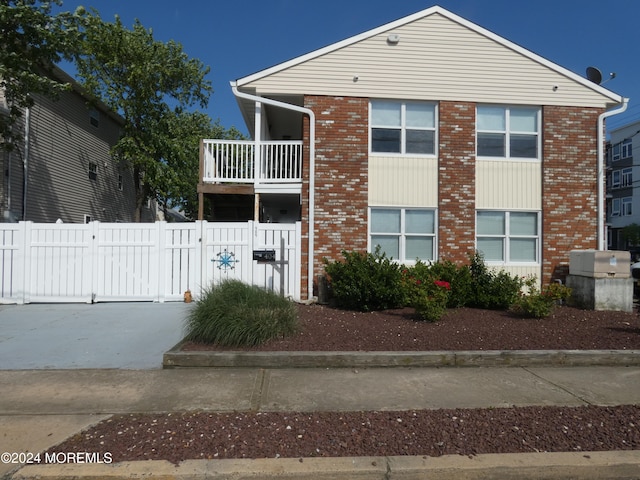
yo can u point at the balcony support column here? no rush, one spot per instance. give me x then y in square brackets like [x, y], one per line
[258, 144]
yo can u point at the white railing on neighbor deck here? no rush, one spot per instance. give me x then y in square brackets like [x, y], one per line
[238, 161]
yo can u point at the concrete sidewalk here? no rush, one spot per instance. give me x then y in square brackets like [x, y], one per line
[39, 409]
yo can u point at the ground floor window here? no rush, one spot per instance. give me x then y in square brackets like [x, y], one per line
[508, 237]
[404, 234]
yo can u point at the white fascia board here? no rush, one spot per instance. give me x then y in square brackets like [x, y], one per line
[416, 16]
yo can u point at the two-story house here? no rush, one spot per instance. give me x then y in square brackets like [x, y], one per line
[623, 206]
[429, 136]
[63, 170]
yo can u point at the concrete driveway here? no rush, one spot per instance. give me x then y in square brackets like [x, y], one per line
[102, 335]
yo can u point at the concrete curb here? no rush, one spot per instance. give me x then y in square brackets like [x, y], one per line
[619, 465]
[176, 358]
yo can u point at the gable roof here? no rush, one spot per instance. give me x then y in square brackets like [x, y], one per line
[546, 71]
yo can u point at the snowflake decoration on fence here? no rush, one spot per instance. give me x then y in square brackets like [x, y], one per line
[226, 260]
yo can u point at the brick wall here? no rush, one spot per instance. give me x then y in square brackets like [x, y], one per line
[341, 183]
[456, 183]
[569, 188]
[569, 181]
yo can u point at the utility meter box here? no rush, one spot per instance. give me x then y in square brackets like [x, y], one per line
[600, 263]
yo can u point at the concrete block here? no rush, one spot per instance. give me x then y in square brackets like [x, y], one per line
[602, 293]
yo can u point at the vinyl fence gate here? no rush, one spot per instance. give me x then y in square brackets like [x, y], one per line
[103, 262]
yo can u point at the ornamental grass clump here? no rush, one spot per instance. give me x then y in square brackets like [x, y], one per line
[234, 314]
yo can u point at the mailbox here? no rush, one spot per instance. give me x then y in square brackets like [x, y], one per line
[264, 256]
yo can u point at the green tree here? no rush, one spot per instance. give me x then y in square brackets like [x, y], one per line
[631, 234]
[151, 84]
[32, 42]
[177, 186]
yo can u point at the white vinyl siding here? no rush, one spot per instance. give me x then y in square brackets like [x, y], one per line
[436, 58]
[404, 181]
[508, 184]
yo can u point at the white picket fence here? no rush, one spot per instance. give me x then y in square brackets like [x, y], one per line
[103, 262]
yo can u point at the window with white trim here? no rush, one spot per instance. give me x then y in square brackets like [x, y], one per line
[508, 132]
[615, 207]
[508, 237]
[627, 177]
[627, 148]
[407, 128]
[622, 178]
[615, 179]
[615, 152]
[404, 234]
[627, 206]
[93, 170]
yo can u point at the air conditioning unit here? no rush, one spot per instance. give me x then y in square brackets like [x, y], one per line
[600, 263]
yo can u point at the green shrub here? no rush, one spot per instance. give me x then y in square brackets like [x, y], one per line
[424, 291]
[365, 281]
[458, 277]
[490, 289]
[236, 314]
[539, 304]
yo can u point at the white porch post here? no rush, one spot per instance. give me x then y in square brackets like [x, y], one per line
[257, 154]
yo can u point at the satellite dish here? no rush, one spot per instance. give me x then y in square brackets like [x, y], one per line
[594, 75]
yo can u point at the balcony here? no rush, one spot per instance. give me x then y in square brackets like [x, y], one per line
[267, 165]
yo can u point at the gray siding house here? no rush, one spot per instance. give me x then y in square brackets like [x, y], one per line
[63, 169]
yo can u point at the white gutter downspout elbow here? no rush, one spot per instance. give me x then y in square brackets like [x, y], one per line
[602, 233]
[312, 167]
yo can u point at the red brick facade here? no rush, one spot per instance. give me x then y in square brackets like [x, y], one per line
[569, 186]
[457, 181]
[569, 190]
[341, 178]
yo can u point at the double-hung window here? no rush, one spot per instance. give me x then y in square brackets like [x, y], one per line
[508, 237]
[404, 234]
[403, 127]
[508, 132]
[627, 148]
[622, 178]
[627, 177]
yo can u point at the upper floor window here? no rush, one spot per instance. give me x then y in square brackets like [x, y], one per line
[93, 170]
[508, 132]
[403, 127]
[94, 117]
[627, 148]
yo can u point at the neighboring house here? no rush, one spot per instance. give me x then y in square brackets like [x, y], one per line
[63, 170]
[429, 136]
[623, 204]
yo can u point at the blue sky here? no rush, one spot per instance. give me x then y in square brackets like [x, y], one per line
[239, 38]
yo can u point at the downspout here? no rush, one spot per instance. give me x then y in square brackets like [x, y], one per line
[602, 234]
[25, 161]
[312, 167]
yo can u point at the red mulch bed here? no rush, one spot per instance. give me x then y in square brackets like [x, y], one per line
[328, 329]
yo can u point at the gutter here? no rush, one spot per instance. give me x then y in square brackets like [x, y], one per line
[312, 167]
[602, 233]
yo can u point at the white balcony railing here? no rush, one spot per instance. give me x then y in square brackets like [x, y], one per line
[235, 161]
